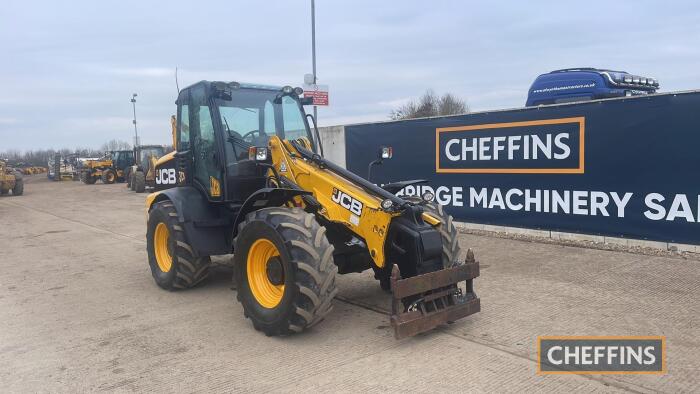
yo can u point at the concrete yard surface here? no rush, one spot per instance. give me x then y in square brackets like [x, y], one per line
[79, 311]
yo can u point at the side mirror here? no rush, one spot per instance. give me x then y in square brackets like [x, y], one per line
[306, 100]
[384, 153]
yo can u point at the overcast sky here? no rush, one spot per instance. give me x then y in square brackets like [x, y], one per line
[68, 68]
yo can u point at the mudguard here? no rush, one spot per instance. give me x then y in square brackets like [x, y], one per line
[266, 197]
[210, 227]
[207, 226]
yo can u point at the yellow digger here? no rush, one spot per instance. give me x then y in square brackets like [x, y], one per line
[141, 174]
[248, 177]
[109, 168]
[10, 180]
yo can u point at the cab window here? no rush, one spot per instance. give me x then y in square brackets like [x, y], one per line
[294, 126]
[184, 130]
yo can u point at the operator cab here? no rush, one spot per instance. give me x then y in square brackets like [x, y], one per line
[218, 123]
[144, 152]
[122, 158]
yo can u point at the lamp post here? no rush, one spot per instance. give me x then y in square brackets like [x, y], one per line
[136, 132]
[313, 49]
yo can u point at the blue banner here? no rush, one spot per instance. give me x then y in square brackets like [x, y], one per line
[621, 167]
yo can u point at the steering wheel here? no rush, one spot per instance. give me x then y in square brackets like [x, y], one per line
[250, 133]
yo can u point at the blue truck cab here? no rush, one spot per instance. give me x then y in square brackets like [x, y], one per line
[582, 84]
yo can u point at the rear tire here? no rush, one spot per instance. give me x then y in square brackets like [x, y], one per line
[18, 190]
[184, 270]
[139, 182]
[306, 272]
[109, 177]
[127, 178]
[87, 177]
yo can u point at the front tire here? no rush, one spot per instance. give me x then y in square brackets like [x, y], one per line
[138, 180]
[171, 258]
[448, 233]
[451, 250]
[284, 270]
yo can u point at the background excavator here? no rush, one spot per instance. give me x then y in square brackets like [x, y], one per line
[110, 168]
[141, 174]
[10, 180]
[248, 177]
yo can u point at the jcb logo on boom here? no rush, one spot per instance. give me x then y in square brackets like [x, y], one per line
[347, 201]
[166, 176]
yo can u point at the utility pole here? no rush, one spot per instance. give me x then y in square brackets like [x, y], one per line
[313, 49]
[136, 132]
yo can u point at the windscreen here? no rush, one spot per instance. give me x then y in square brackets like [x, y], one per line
[156, 152]
[252, 116]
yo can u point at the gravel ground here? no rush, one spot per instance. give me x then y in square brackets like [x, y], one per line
[79, 311]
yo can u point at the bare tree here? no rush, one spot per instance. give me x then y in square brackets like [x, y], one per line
[41, 157]
[429, 104]
[115, 145]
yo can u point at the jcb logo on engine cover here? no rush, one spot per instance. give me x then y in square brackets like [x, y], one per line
[347, 201]
[166, 176]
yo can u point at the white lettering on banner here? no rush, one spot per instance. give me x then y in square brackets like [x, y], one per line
[680, 208]
[533, 147]
[566, 202]
[652, 201]
[621, 203]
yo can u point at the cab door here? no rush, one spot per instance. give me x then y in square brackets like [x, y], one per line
[203, 141]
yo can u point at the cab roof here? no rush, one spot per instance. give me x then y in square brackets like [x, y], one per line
[244, 85]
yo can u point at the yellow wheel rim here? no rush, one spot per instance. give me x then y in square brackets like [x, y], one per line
[161, 239]
[110, 177]
[268, 294]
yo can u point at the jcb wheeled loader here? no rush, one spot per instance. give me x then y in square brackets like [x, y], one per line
[110, 168]
[142, 173]
[10, 180]
[249, 178]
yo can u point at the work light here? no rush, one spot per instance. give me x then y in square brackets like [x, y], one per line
[428, 196]
[257, 153]
[387, 152]
[287, 90]
[387, 204]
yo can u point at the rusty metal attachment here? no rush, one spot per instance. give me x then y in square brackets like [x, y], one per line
[426, 301]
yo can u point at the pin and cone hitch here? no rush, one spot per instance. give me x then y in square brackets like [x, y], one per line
[426, 301]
